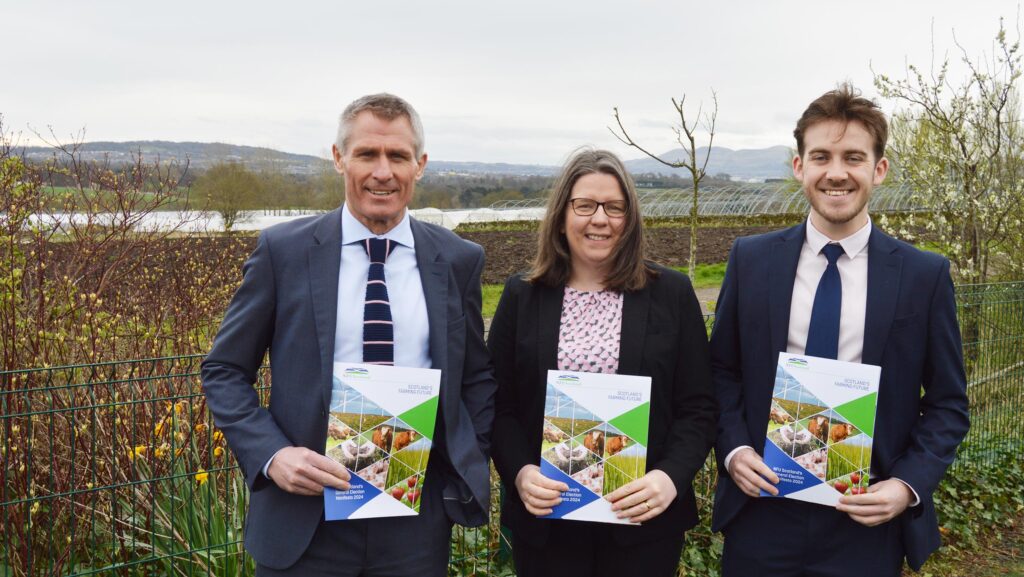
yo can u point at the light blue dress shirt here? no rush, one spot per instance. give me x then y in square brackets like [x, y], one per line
[405, 291]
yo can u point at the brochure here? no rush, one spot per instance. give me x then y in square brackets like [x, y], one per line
[820, 427]
[595, 439]
[380, 427]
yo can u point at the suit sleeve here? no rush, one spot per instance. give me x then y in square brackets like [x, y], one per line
[231, 369]
[726, 363]
[694, 409]
[943, 422]
[509, 431]
[478, 385]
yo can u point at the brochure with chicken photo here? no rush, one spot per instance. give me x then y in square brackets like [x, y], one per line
[820, 427]
[380, 428]
[595, 439]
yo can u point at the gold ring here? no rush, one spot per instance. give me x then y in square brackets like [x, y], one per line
[648, 503]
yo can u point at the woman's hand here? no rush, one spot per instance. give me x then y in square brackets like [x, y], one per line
[538, 493]
[643, 499]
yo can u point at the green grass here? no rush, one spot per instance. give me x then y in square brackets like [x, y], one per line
[405, 464]
[859, 459]
[491, 295]
[706, 275]
[622, 469]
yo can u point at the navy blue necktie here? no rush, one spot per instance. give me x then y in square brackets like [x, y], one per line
[378, 328]
[823, 333]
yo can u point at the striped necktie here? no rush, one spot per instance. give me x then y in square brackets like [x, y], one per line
[823, 332]
[378, 328]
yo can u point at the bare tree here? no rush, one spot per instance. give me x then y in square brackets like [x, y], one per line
[686, 136]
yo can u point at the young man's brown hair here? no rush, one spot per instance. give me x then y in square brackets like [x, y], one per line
[845, 104]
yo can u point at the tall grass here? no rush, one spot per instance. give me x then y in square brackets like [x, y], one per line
[621, 469]
[405, 464]
[857, 458]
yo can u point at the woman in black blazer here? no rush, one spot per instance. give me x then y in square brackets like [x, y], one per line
[593, 302]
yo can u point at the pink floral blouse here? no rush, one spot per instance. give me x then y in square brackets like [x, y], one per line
[591, 325]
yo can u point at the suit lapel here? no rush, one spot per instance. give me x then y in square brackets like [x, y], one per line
[784, 257]
[884, 267]
[324, 266]
[434, 277]
[635, 306]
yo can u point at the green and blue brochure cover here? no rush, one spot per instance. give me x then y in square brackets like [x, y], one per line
[595, 439]
[380, 428]
[820, 427]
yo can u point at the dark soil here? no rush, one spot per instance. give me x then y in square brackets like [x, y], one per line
[509, 252]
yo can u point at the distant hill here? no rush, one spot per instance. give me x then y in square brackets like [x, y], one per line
[746, 164]
[200, 155]
[758, 163]
[496, 168]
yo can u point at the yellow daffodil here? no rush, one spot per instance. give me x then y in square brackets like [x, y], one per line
[218, 452]
[202, 476]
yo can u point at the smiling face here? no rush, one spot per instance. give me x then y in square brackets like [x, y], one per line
[838, 172]
[381, 168]
[592, 238]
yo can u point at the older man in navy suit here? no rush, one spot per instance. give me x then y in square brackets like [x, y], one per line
[302, 298]
[837, 286]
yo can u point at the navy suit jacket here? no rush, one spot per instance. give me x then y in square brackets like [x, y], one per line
[910, 330]
[287, 303]
[663, 337]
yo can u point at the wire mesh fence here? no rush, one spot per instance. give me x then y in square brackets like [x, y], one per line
[117, 469]
[992, 325]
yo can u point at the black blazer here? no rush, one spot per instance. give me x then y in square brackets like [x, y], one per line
[663, 336]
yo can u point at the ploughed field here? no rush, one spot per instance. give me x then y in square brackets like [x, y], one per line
[171, 266]
[509, 252]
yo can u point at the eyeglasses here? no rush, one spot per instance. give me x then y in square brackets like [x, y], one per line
[588, 206]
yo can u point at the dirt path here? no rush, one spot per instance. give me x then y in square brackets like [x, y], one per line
[707, 297]
[996, 557]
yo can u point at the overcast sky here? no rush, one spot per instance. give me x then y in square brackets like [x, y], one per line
[520, 82]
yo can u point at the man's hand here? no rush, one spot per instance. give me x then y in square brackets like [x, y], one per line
[883, 501]
[538, 493]
[750, 474]
[304, 472]
[643, 499]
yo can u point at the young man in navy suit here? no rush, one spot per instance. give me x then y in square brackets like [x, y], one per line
[302, 298]
[895, 309]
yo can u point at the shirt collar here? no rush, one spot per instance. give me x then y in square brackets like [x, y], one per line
[852, 245]
[353, 231]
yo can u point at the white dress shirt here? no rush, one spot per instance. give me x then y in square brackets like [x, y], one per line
[853, 272]
[405, 292]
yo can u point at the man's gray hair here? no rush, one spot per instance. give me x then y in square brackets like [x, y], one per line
[384, 106]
